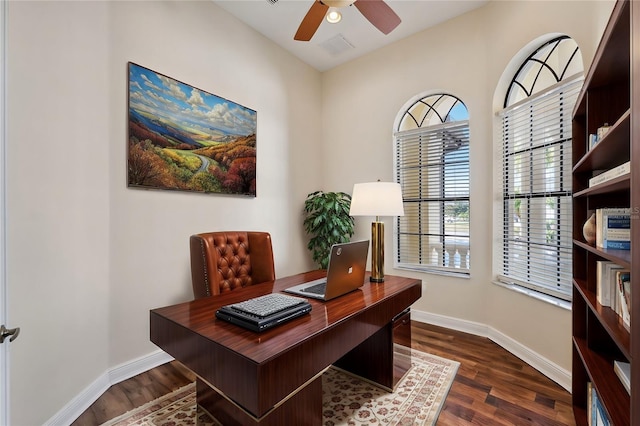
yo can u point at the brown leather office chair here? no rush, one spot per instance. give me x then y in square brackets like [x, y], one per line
[224, 261]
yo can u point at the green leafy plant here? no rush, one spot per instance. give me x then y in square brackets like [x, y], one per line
[327, 222]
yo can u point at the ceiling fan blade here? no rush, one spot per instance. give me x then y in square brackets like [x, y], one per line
[311, 21]
[379, 14]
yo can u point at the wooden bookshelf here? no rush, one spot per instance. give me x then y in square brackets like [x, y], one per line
[599, 337]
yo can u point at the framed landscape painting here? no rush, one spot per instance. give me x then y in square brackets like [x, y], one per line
[186, 139]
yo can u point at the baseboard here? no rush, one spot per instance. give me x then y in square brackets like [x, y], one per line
[551, 370]
[80, 403]
[70, 412]
[466, 326]
[129, 369]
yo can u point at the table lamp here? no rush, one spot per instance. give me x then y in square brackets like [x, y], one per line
[377, 199]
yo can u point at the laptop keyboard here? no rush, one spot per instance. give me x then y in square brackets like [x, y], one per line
[267, 305]
[317, 288]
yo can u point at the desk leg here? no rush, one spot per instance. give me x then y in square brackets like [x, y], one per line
[373, 358]
[304, 407]
[385, 357]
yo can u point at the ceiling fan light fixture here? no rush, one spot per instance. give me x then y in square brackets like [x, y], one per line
[375, 11]
[333, 15]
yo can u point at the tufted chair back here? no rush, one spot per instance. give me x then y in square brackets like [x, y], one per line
[224, 261]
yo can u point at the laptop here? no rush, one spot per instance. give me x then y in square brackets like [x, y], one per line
[264, 312]
[345, 272]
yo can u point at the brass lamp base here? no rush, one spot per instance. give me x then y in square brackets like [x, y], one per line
[377, 252]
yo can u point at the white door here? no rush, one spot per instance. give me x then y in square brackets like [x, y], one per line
[7, 334]
[4, 394]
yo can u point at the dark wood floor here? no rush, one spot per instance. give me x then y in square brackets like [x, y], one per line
[492, 387]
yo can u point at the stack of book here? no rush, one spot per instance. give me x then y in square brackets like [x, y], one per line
[613, 228]
[613, 289]
[617, 171]
[594, 138]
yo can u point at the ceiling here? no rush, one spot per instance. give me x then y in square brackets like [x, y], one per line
[334, 44]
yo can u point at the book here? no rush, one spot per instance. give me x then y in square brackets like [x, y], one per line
[613, 228]
[623, 287]
[617, 238]
[602, 131]
[589, 402]
[597, 416]
[603, 296]
[617, 171]
[606, 292]
[618, 234]
[617, 245]
[623, 371]
[594, 402]
[601, 415]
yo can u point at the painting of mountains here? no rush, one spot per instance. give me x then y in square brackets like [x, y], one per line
[183, 138]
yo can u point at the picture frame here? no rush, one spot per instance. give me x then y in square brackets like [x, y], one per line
[186, 139]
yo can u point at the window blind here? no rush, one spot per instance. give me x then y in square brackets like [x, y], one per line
[432, 167]
[536, 190]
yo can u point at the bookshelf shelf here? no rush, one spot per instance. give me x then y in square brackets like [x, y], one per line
[608, 152]
[621, 183]
[609, 320]
[599, 335]
[621, 257]
[613, 394]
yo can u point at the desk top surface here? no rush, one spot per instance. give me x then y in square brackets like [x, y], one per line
[199, 315]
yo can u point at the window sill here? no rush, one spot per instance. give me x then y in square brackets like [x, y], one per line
[424, 270]
[563, 304]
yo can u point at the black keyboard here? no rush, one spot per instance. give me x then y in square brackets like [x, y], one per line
[269, 304]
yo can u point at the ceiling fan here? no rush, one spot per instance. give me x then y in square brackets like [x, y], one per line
[376, 11]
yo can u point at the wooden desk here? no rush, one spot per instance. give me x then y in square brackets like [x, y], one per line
[274, 377]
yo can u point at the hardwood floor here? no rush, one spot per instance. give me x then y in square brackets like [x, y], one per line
[492, 386]
[135, 392]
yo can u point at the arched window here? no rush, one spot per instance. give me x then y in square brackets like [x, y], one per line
[432, 167]
[536, 169]
[554, 61]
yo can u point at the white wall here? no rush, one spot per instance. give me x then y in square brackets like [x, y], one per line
[466, 57]
[204, 46]
[57, 202]
[88, 257]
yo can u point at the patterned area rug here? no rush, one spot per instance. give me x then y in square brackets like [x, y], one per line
[347, 399]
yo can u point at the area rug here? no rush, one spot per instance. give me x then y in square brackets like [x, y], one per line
[347, 399]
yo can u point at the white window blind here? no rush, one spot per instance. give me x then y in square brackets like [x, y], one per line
[536, 190]
[432, 167]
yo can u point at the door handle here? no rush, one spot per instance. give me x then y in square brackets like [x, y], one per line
[11, 333]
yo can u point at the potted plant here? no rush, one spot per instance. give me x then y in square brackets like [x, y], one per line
[327, 222]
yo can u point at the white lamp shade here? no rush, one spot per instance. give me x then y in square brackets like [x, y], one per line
[376, 199]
